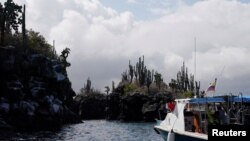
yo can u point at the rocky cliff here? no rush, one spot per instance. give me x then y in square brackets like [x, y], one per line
[130, 107]
[35, 91]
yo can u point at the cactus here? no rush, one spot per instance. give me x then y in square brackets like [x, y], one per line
[148, 79]
[158, 79]
[24, 28]
[139, 69]
[179, 81]
[88, 86]
[191, 83]
[173, 84]
[186, 80]
[136, 71]
[152, 75]
[131, 72]
[113, 86]
[125, 76]
[197, 87]
[186, 83]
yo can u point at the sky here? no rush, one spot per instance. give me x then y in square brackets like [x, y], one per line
[104, 35]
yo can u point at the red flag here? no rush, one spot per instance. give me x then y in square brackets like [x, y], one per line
[212, 86]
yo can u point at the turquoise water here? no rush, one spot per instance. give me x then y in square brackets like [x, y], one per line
[97, 130]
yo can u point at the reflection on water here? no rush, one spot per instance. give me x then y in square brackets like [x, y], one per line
[97, 130]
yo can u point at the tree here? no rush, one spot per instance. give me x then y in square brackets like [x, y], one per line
[38, 43]
[64, 56]
[107, 89]
[65, 53]
[10, 18]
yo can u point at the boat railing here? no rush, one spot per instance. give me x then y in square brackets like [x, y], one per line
[214, 113]
[232, 115]
[236, 109]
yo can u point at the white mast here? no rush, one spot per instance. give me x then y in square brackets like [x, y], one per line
[194, 59]
[195, 66]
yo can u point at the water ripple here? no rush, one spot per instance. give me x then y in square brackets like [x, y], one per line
[97, 130]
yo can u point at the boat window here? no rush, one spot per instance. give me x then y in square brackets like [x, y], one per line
[188, 113]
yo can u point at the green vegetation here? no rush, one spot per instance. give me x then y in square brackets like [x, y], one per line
[140, 79]
[184, 83]
[29, 41]
[38, 44]
[189, 94]
[88, 90]
[137, 78]
[129, 88]
[10, 18]
[32, 73]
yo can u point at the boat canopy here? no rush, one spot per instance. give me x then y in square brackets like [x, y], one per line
[242, 99]
[207, 100]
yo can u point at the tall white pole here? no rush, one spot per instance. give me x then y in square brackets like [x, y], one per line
[195, 66]
[194, 59]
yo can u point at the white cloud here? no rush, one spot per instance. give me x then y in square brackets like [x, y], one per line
[131, 1]
[102, 40]
[159, 11]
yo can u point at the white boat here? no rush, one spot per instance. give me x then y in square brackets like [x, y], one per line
[188, 121]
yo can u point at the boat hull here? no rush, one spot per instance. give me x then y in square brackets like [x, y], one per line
[176, 136]
[163, 133]
[179, 137]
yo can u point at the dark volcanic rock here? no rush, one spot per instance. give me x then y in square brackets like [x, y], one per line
[150, 111]
[91, 106]
[137, 106]
[131, 107]
[35, 91]
[113, 110]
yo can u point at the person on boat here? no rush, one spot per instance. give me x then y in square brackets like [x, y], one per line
[196, 121]
[217, 119]
[210, 115]
[222, 115]
[219, 116]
